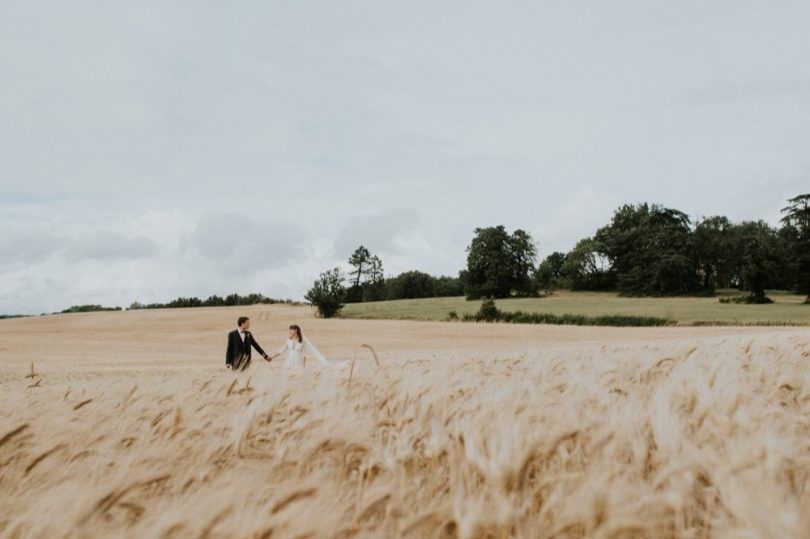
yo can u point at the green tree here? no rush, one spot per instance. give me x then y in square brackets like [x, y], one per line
[499, 264]
[523, 257]
[713, 241]
[374, 274]
[796, 231]
[649, 249]
[360, 260]
[448, 286]
[409, 285]
[760, 258]
[797, 215]
[374, 283]
[548, 275]
[587, 268]
[327, 293]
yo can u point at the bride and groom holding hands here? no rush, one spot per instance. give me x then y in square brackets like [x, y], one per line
[241, 341]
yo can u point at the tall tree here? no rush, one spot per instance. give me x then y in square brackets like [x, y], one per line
[374, 273]
[523, 257]
[374, 281]
[797, 215]
[587, 268]
[648, 247]
[760, 258]
[796, 230]
[359, 260]
[548, 274]
[499, 264]
[714, 248]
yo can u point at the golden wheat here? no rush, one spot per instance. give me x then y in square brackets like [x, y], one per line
[665, 437]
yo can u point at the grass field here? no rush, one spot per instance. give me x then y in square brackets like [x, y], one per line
[786, 310]
[130, 427]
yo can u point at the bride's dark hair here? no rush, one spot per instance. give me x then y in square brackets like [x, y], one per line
[298, 332]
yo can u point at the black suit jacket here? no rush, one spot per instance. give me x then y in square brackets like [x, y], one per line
[238, 353]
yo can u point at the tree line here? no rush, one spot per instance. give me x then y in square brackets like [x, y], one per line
[183, 302]
[366, 282]
[489, 312]
[652, 250]
[645, 250]
[211, 301]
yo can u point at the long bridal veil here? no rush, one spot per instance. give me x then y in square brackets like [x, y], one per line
[309, 347]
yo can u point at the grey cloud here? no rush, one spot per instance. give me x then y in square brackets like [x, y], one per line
[376, 232]
[238, 244]
[110, 246]
[27, 246]
[22, 198]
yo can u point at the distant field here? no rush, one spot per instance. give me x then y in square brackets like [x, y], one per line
[788, 309]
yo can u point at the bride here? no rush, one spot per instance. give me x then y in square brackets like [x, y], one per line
[298, 348]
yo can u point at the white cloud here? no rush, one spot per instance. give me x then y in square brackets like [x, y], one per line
[586, 210]
[20, 247]
[239, 244]
[106, 245]
[379, 232]
[140, 159]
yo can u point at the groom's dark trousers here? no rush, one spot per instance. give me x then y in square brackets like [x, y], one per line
[238, 353]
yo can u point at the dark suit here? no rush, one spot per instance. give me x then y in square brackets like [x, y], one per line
[238, 353]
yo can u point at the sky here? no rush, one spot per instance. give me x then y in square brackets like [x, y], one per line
[151, 150]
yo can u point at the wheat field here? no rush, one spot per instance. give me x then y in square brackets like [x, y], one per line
[126, 425]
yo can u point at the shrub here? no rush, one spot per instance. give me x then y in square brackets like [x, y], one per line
[749, 300]
[490, 313]
[327, 293]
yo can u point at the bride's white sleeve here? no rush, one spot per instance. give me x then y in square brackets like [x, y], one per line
[315, 353]
[283, 347]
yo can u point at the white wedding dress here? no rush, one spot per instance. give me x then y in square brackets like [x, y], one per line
[296, 351]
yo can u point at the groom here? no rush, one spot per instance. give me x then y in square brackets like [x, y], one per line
[239, 342]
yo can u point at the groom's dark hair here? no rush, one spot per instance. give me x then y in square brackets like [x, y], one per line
[242, 320]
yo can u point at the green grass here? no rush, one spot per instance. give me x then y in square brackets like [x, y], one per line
[787, 309]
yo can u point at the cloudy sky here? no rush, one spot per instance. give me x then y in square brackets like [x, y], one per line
[150, 150]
